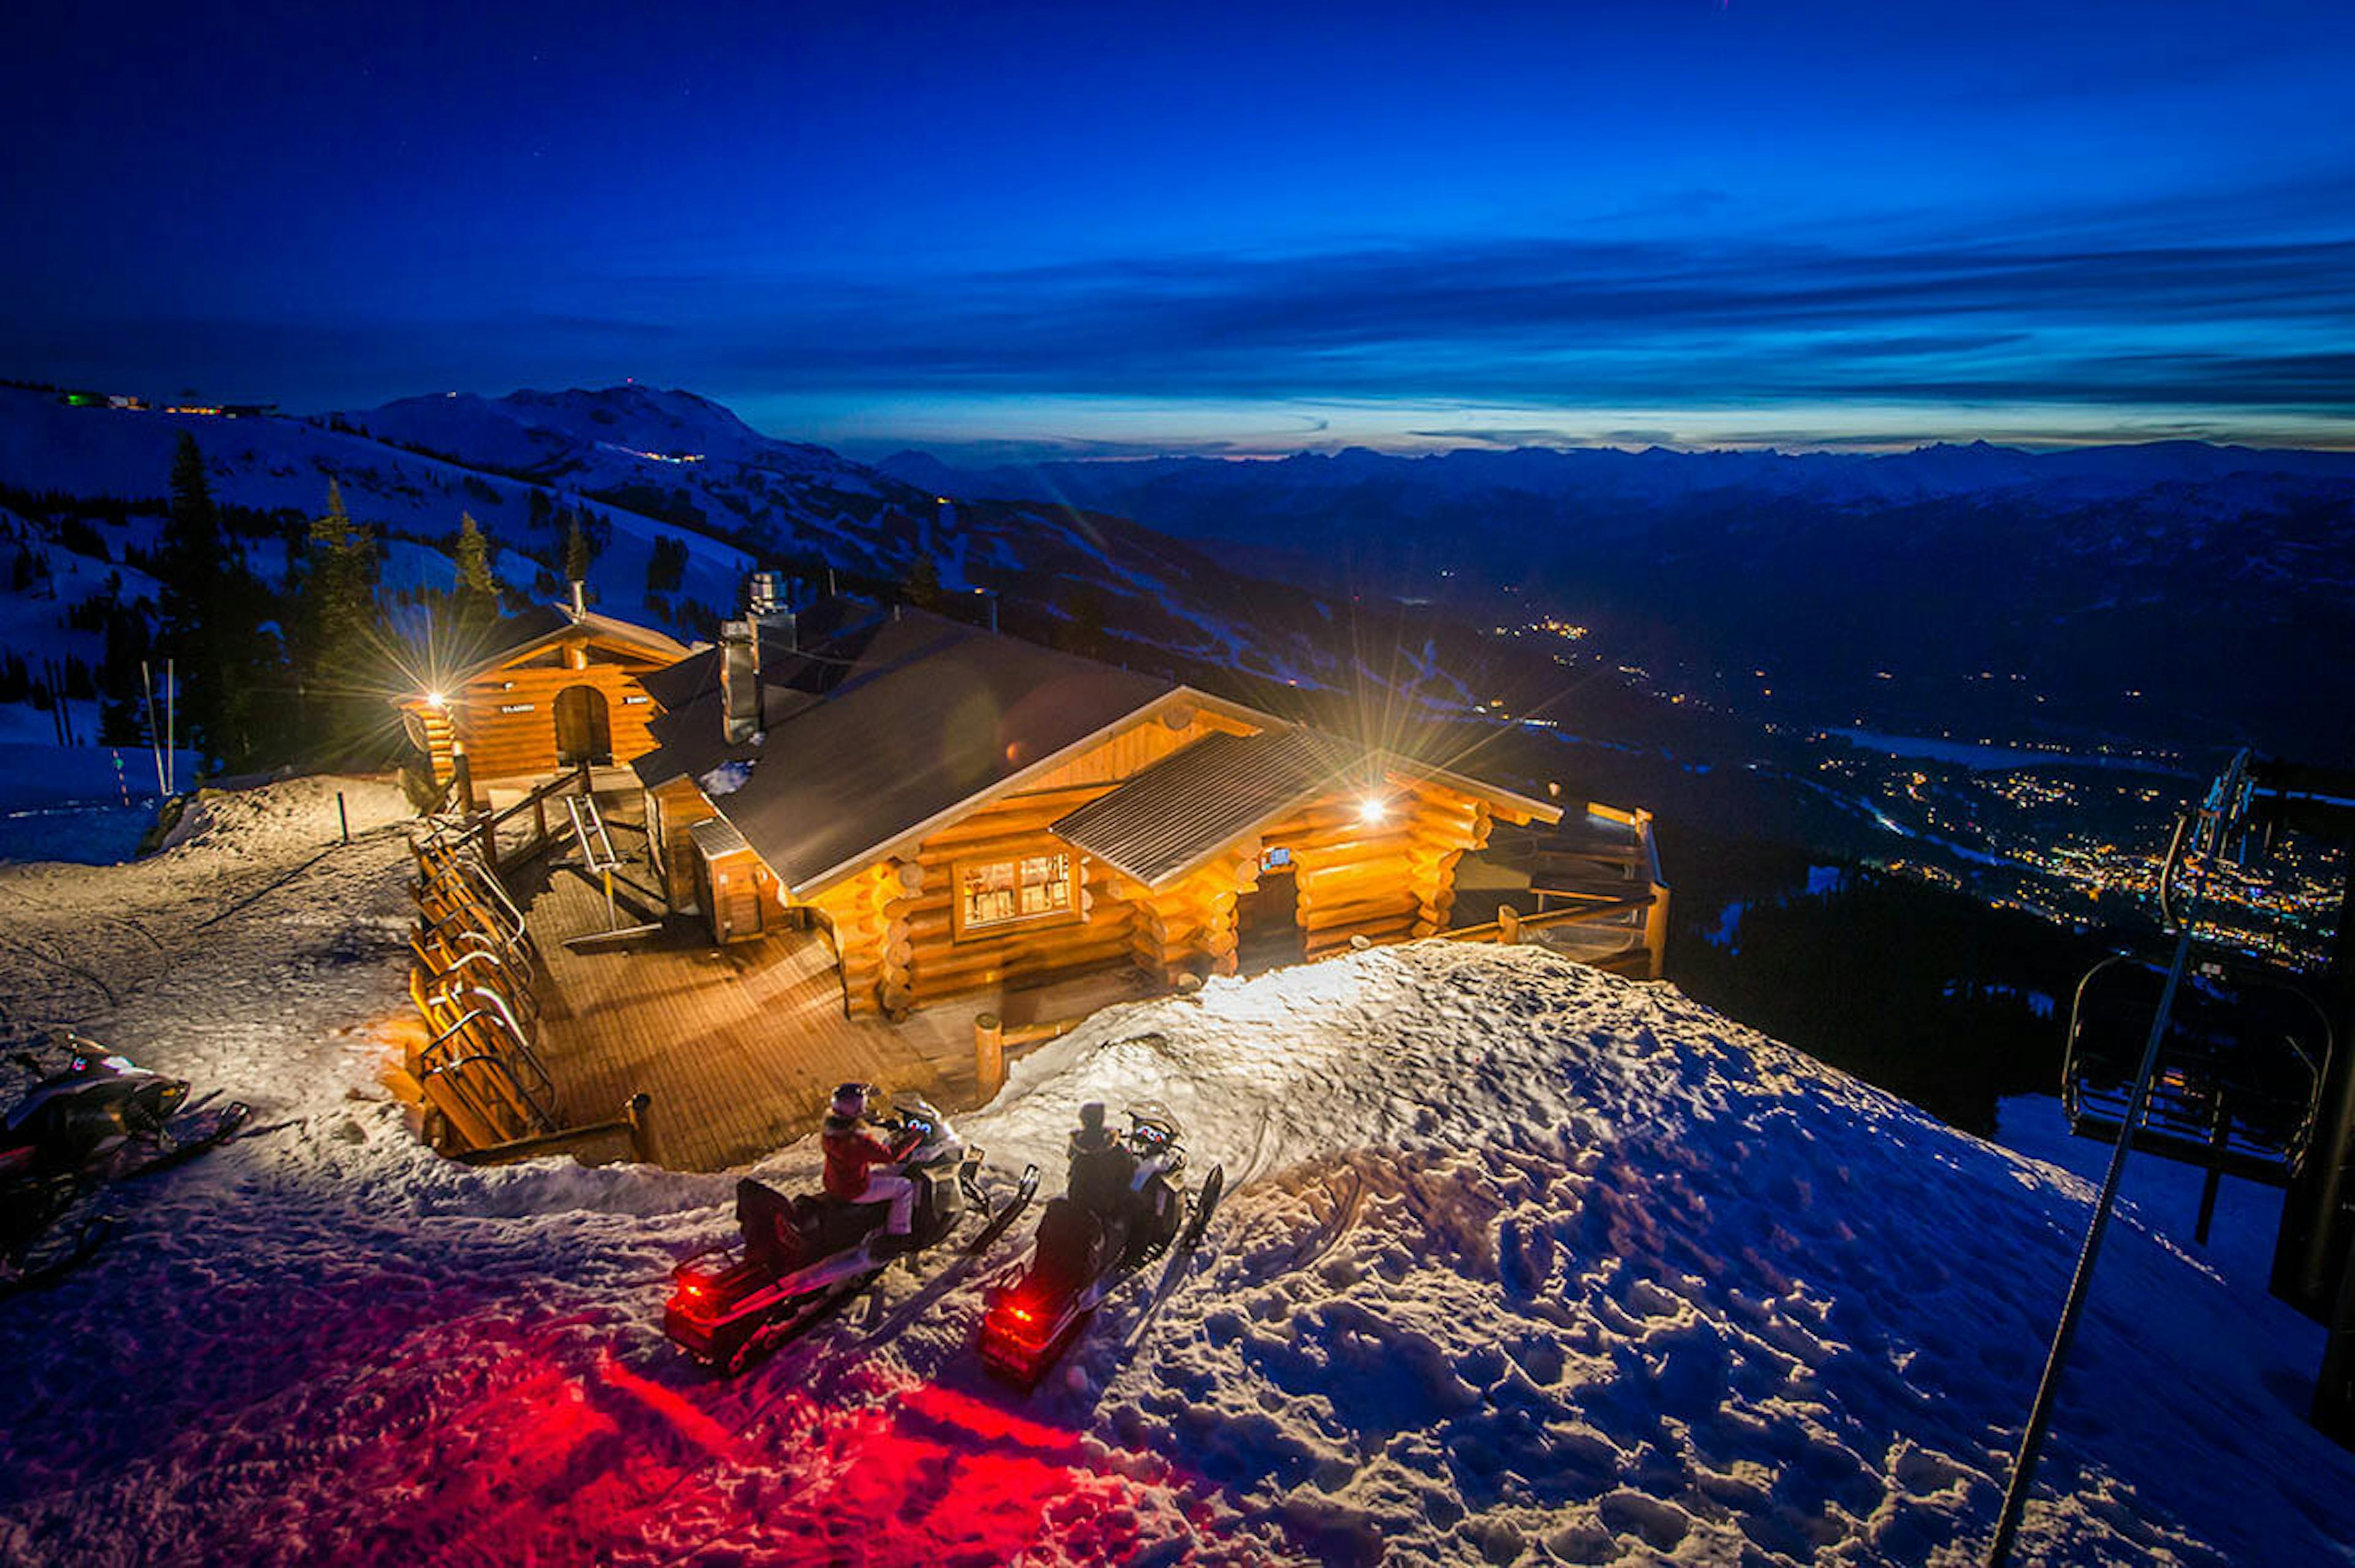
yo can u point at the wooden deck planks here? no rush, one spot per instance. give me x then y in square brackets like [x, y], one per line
[738, 1046]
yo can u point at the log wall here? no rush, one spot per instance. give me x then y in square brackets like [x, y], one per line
[895, 926]
[672, 810]
[501, 744]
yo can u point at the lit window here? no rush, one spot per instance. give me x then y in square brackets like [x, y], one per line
[998, 892]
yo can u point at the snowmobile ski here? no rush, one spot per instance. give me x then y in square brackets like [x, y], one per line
[1181, 1251]
[940, 1285]
[1003, 1221]
[17, 1279]
[210, 1132]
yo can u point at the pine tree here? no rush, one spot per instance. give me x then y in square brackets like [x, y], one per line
[476, 600]
[921, 586]
[192, 564]
[577, 552]
[341, 635]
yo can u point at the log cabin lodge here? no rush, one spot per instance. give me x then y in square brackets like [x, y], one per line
[957, 814]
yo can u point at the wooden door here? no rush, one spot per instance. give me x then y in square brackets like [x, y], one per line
[584, 731]
[1267, 923]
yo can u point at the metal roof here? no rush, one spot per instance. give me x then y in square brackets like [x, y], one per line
[1185, 808]
[878, 732]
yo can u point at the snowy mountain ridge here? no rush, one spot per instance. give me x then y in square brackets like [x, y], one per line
[644, 469]
[1521, 1264]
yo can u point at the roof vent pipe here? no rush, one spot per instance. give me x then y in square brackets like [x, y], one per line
[772, 612]
[740, 680]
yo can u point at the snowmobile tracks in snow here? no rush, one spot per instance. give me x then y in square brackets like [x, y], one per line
[1349, 1191]
[23, 1279]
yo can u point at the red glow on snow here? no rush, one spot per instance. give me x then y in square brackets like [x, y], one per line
[682, 1416]
[983, 1419]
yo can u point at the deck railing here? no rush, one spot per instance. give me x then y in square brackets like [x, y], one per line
[1644, 915]
[477, 1077]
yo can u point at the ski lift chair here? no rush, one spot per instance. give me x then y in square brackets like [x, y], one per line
[2238, 1086]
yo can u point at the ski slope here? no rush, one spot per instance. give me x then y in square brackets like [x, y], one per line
[1519, 1264]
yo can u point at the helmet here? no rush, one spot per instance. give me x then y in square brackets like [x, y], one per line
[851, 1100]
[1092, 1135]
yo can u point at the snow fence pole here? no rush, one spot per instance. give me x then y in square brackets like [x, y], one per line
[2040, 1414]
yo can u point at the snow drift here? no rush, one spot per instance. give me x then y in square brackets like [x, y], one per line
[1520, 1262]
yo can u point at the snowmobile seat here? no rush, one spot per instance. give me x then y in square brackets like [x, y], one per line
[767, 1222]
[834, 1225]
[1074, 1245]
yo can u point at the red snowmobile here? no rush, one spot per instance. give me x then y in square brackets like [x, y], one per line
[1123, 1206]
[801, 1260]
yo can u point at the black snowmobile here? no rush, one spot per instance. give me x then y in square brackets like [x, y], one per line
[801, 1260]
[97, 1118]
[1123, 1206]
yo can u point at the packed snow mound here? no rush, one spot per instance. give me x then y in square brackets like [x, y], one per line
[1520, 1262]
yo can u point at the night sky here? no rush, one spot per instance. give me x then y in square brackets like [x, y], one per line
[1109, 228]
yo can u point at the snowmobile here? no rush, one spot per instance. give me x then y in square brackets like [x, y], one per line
[1103, 1230]
[801, 1260]
[98, 1118]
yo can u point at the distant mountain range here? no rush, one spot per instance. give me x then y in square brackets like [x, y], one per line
[2175, 591]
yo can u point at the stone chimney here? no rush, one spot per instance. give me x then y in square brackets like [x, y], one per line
[740, 679]
[580, 605]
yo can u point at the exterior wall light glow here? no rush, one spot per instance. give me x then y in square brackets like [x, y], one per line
[1372, 809]
[435, 699]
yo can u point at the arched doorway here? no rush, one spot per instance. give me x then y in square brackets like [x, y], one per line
[584, 732]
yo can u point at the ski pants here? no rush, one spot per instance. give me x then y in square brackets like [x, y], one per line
[899, 1192]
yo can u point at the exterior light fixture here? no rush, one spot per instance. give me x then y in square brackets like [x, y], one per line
[1372, 809]
[435, 699]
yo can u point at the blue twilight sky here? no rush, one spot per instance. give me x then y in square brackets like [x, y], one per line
[1009, 228]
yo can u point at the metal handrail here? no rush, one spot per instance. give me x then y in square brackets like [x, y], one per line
[538, 1116]
[532, 1102]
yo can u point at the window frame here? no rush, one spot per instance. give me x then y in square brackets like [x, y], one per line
[961, 928]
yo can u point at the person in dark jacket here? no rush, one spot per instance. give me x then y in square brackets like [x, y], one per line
[1101, 1166]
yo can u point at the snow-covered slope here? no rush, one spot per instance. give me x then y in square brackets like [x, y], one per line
[643, 468]
[1521, 1263]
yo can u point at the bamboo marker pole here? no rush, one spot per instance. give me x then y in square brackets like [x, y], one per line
[154, 733]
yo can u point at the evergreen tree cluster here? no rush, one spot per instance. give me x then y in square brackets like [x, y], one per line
[210, 623]
[667, 565]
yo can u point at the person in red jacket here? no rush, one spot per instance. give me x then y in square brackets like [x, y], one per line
[856, 1153]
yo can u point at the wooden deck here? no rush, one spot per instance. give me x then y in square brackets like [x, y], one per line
[740, 1046]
